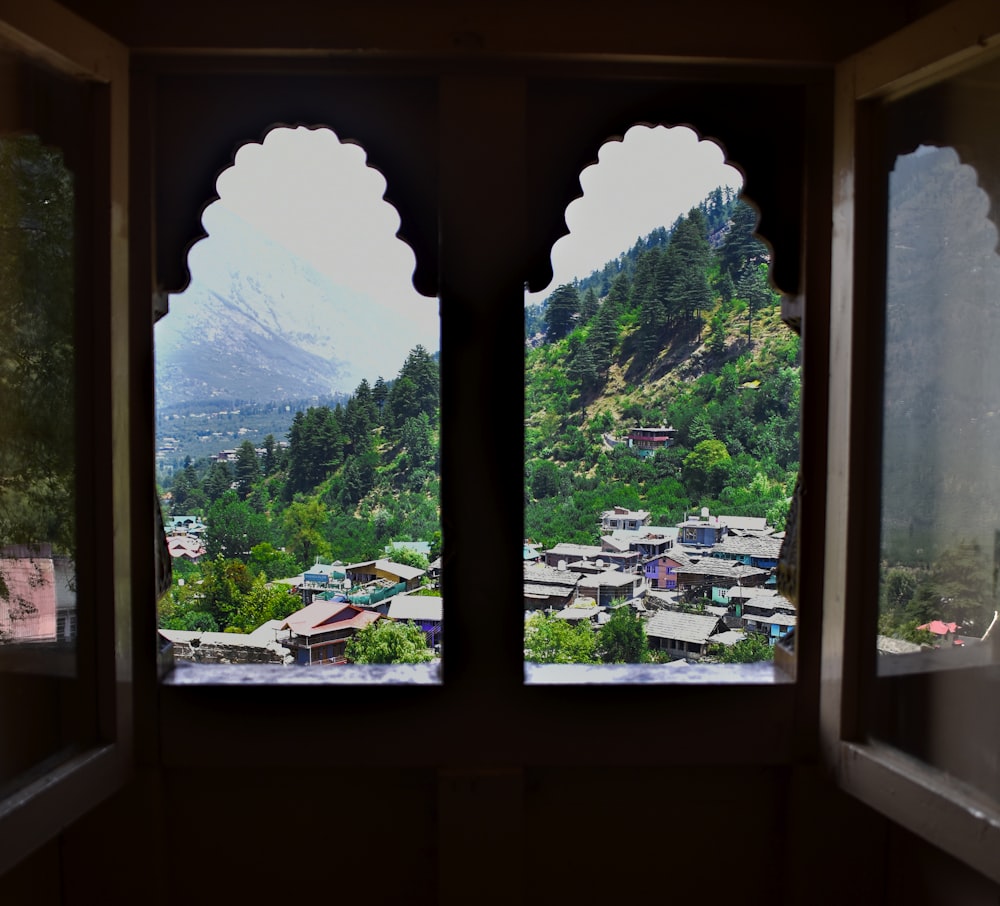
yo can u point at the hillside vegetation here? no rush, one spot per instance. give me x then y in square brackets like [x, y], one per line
[688, 335]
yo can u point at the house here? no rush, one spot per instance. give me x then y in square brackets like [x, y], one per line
[567, 553]
[683, 634]
[701, 531]
[945, 633]
[463, 107]
[761, 551]
[771, 615]
[265, 645]
[318, 633]
[546, 588]
[611, 585]
[188, 546]
[623, 518]
[418, 547]
[424, 611]
[649, 440]
[385, 571]
[715, 577]
[579, 613]
[572, 554]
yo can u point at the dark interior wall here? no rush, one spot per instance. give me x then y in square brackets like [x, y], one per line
[556, 834]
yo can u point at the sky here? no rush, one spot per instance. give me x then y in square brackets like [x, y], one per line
[319, 199]
[638, 184]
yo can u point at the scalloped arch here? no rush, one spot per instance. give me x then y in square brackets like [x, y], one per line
[563, 229]
[570, 122]
[198, 124]
[201, 234]
[384, 199]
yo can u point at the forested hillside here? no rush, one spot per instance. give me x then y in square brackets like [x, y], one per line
[352, 479]
[688, 335]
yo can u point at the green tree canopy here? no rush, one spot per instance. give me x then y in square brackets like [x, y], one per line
[622, 640]
[563, 305]
[548, 640]
[388, 642]
[304, 523]
[233, 528]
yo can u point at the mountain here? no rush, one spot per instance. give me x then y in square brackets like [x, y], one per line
[690, 337]
[259, 323]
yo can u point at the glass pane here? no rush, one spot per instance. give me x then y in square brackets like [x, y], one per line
[661, 420]
[40, 713]
[940, 522]
[298, 422]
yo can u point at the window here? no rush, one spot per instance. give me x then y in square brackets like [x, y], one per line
[906, 727]
[301, 484]
[678, 328]
[62, 746]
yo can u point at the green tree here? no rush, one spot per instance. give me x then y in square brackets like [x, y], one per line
[247, 469]
[233, 528]
[755, 647]
[262, 602]
[303, 524]
[218, 480]
[701, 467]
[265, 559]
[388, 642]
[408, 557]
[741, 248]
[560, 312]
[549, 640]
[622, 640]
[588, 305]
[753, 289]
[270, 463]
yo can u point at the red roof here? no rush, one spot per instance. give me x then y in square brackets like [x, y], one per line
[940, 628]
[324, 616]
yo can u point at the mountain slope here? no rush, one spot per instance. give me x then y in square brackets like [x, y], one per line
[259, 323]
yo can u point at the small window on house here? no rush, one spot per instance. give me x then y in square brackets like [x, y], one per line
[298, 422]
[661, 419]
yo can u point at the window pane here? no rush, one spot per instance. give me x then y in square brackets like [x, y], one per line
[661, 420]
[940, 522]
[39, 384]
[298, 422]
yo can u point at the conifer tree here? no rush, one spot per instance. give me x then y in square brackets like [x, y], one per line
[563, 306]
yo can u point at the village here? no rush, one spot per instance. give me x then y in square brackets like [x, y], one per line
[709, 580]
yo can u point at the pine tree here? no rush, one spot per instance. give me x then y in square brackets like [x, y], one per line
[563, 306]
[588, 306]
[247, 469]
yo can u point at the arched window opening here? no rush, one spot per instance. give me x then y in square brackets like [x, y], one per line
[298, 421]
[661, 419]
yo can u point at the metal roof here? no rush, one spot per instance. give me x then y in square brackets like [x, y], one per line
[682, 627]
[415, 607]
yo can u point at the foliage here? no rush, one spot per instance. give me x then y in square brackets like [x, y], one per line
[233, 528]
[754, 647]
[622, 640]
[304, 523]
[37, 366]
[388, 642]
[548, 640]
[560, 311]
[408, 557]
[265, 559]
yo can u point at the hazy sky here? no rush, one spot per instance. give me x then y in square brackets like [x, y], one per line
[638, 184]
[318, 198]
